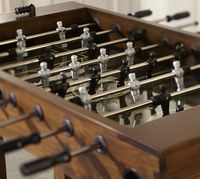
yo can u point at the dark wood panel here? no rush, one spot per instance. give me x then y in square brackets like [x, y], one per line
[2, 164]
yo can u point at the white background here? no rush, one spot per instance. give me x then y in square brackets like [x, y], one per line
[160, 8]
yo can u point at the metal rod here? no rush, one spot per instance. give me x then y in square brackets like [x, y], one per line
[56, 71]
[37, 112]
[195, 67]
[110, 92]
[61, 41]
[84, 150]
[185, 91]
[54, 31]
[19, 64]
[160, 20]
[149, 47]
[36, 47]
[129, 108]
[113, 72]
[194, 23]
[4, 54]
[149, 102]
[126, 87]
[15, 120]
[90, 62]
[85, 49]
[144, 82]
[53, 132]
[136, 66]
[42, 34]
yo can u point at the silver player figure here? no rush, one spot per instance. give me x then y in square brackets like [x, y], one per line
[134, 87]
[103, 60]
[85, 97]
[44, 74]
[130, 53]
[75, 67]
[179, 75]
[61, 30]
[85, 37]
[21, 44]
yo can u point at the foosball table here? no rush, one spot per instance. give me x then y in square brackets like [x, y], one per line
[95, 94]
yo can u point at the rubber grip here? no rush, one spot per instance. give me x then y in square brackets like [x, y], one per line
[143, 13]
[19, 143]
[178, 16]
[45, 163]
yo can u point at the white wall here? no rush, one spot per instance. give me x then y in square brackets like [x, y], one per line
[159, 7]
[39, 2]
[124, 6]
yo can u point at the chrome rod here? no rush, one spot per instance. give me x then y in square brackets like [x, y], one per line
[37, 112]
[149, 102]
[157, 78]
[107, 74]
[126, 87]
[54, 31]
[36, 47]
[129, 108]
[5, 67]
[185, 91]
[85, 49]
[53, 132]
[195, 67]
[19, 64]
[4, 54]
[110, 92]
[61, 41]
[84, 150]
[160, 20]
[149, 47]
[56, 71]
[143, 82]
[113, 72]
[42, 34]
[90, 62]
[15, 120]
[195, 23]
[136, 66]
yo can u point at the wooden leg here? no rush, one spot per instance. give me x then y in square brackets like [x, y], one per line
[2, 165]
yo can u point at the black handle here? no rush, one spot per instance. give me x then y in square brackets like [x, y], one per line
[181, 53]
[1, 94]
[178, 16]
[19, 143]
[195, 53]
[137, 35]
[142, 13]
[25, 9]
[162, 99]
[45, 163]
[151, 63]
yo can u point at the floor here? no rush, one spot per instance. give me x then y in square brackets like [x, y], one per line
[13, 162]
